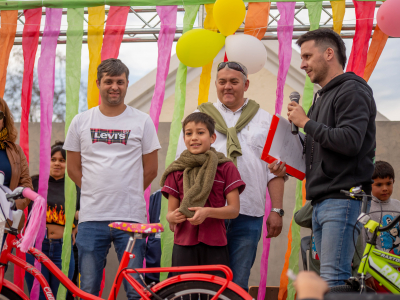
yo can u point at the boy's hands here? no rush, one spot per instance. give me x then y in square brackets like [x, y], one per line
[172, 227]
[176, 217]
[201, 213]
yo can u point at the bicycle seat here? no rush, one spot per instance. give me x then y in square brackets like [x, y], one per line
[137, 227]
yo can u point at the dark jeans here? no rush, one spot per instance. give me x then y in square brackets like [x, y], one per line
[333, 223]
[243, 235]
[52, 248]
[94, 240]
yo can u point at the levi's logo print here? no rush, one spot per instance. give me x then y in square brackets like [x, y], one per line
[109, 136]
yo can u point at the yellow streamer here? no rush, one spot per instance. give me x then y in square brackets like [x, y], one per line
[205, 77]
[338, 10]
[95, 42]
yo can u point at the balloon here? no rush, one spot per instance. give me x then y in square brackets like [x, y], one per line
[388, 18]
[198, 47]
[229, 15]
[246, 49]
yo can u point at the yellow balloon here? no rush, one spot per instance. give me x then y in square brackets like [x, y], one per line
[198, 47]
[229, 15]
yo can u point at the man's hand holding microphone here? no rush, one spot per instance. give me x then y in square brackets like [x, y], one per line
[296, 114]
[298, 118]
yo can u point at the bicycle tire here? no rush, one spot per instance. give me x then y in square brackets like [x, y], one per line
[181, 289]
[7, 294]
[347, 289]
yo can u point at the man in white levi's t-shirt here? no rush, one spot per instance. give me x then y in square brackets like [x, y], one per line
[112, 157]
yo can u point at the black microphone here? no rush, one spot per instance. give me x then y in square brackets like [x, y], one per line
[295, 96]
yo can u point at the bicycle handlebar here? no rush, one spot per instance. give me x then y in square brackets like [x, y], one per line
[358, 194]
[36, 216]
[28, 193]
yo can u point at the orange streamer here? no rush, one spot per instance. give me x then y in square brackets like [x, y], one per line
[7, 35]
[284, 279]
[257, 19]
[303, 192]
[378, 42]
[205, 77]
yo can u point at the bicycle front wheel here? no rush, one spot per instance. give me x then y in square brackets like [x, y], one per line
[7, 294]
[196, 290]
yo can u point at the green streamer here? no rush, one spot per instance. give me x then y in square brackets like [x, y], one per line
[73, 82]
[30, 4]
[167, 237]
[295, 249]
[314, 14]
[308, 94]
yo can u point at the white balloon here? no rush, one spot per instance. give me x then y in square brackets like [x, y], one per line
[246, 49]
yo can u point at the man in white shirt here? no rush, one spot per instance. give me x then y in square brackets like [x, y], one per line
[112, 157]
[244, 232]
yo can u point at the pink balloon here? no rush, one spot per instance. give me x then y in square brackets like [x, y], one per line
[388, 17]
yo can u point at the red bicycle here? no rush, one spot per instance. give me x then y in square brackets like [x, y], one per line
[196, 285]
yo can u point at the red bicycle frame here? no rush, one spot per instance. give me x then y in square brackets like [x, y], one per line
[6, 256]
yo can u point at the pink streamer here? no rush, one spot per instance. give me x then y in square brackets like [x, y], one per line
[285, 33]
[364, 22]
[265, 254]
[35, 218]
[46, 70]
[167, 16]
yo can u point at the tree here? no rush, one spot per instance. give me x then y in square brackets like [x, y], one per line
[12, 94]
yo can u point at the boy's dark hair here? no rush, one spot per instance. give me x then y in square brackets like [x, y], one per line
[112, 67]
[326, 38]
[382, 170]
[199, 117]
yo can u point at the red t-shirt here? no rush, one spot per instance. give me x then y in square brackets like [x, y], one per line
[212, 231]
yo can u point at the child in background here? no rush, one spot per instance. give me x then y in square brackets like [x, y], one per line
[198, 185]
[382, 189]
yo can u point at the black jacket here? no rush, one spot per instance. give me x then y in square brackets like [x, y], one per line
[340, 142]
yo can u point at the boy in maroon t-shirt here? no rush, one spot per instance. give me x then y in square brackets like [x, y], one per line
[201, 239]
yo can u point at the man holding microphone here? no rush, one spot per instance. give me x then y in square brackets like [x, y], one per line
[339, 149]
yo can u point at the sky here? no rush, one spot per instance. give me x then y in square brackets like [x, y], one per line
[141, 58]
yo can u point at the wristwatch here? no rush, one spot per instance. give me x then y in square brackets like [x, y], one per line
[279, 211]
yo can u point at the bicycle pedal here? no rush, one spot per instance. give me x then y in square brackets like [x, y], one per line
[353, 282]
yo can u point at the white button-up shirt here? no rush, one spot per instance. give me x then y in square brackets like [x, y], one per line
[252, 169]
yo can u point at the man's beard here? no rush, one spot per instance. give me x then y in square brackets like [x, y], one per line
[320, 74]
[114, 102]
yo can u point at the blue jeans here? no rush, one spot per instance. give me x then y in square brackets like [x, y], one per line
[93, 240]
[243, 235]
[333, 223]
[52, 248]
